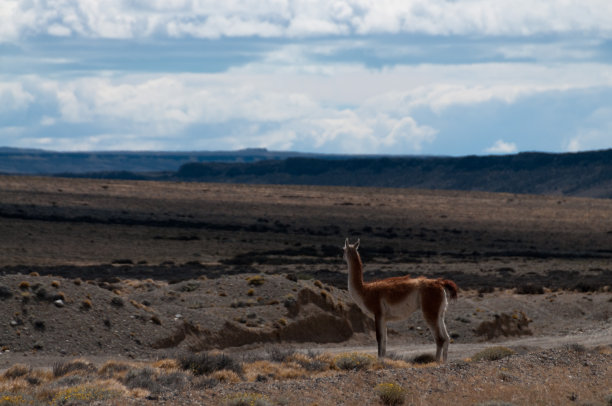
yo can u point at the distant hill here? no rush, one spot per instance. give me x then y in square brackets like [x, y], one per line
[41, 162]
[587, 174]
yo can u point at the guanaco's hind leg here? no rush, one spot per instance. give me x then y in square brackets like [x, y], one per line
[433, 304]
[381, 335]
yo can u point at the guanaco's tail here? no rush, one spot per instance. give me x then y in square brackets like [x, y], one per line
[451, 287]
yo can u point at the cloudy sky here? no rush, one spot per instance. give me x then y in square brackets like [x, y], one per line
[434, 77]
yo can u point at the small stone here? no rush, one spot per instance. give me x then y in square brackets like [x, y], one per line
[59, 303]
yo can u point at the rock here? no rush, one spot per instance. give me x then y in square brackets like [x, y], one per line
[59, 303]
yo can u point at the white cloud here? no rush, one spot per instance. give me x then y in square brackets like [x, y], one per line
[170, 106]
[349, 109]
[58, 30]
[298, 18]
[14, 97]
[596, 133]
[502, 147]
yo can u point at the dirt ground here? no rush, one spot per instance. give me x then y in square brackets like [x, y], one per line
[144, 270]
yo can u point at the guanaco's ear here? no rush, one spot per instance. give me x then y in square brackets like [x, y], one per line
[346, 243]
[357, 243]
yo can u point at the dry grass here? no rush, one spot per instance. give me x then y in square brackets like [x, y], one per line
[560, 376]
[255, 280]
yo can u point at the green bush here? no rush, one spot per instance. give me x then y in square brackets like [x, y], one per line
[83, 395]
[247, 399]
[205, 363]
[492, 354]
[353, 361]
[391, 393]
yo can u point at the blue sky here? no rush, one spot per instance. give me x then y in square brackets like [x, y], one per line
[426, 77]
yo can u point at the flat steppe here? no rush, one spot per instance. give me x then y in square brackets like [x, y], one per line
[140, 271]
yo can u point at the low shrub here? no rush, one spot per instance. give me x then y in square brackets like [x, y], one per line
[142, 378]
[493, 354]
[9, 399]
[353, 361]
[117, 301]
[83, 395]
[495, 403]
[279, 354]
[112, 368]
[391, 393]
[247, 399]
[5, 292]
[424, 359]
[42, 294]
[65, 368]
[24, 285]
[86, 304]
[175, 380]
[310, 362]
[206, 363]
[256, 280]
[17, 371]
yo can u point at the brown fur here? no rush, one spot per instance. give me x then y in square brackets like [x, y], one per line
[397, 297]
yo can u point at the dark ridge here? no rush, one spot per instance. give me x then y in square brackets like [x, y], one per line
[587, 174]
[577, 174]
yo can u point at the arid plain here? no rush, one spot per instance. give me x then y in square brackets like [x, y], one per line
[137, 272]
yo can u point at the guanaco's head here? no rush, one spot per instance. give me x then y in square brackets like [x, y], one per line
[350, 249]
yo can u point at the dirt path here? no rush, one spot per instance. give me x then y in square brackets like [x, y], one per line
[459, 351]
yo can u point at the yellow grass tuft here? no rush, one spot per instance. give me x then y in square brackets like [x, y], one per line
[246, 399]
[139, 393]
[14, 385]
[493, 354]
[390, 393]
[56, 284]
[353, 361]
[16, 371]
[23, 285]
[115, 369]
[88, 393]
[86, 304]
[226, 376]
[12, 399]
[255, 280]
[167, 364]
[393, 364]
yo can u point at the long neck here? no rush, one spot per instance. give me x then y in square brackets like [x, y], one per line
[355, 269]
